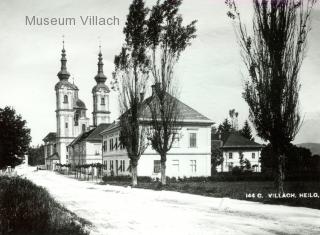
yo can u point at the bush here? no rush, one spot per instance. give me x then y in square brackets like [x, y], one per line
[29, 209]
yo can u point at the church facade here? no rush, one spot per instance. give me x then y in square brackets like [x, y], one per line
[71, 113]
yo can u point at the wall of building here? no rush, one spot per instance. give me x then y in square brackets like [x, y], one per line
[184, 159]
[228, 162]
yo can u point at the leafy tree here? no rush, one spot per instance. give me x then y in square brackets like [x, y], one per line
[216, 157]
[246, 131]
[14, 137]
[233, 114]
[273, 55]
[36, 155]
[167, 38]
[224, 130]
[247, 164]
[130, 77]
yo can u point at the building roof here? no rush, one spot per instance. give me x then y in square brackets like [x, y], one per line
[186, 111]
[54, 156]
[80, 104]
[236, 140]
[67, 84]
[50, 137]
[100, 86]
[91, 135]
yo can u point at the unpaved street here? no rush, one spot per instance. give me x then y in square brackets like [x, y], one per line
[119, 210]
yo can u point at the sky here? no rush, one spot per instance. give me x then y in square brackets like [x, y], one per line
[210, 72]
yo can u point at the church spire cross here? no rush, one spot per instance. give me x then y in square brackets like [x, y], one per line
[63, 73]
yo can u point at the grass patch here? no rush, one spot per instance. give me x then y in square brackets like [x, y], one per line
[234, 189]
[28, 209]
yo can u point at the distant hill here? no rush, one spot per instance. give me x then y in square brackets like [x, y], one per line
[314, 147]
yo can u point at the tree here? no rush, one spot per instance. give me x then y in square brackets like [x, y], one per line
[273, 55]
[130, 77]
[224, 130]
[36, 155]
[247, 164]
[246, 131]
[167, 38]
[233, 114]
[216, 157]
[14, 137]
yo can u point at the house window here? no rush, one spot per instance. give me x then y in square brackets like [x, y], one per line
[65, 99]
[105, 146]
[193, 140]
[97, 149]
[193, 164]
[111, 165]
[156, 166]
[175, 166]
[253, 155]
[176, 141]
[66, 124]
[111, 144]
[122, 166]
[102, 101]
[83, 127]
[230, 166]
[230, 155]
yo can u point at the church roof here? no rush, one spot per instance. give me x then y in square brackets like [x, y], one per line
[50, 137]
[91, 135]
[80, 104]
[67, 84]
[236, 140]
[100, 86]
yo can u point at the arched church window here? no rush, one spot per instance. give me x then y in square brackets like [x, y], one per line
[102, 101]
[65, 99]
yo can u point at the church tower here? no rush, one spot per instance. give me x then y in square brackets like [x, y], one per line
[100, 92]
[65, 98]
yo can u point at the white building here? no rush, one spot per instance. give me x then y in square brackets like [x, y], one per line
[71, 117]
[235, 147]
[189, 156]
[87, 147]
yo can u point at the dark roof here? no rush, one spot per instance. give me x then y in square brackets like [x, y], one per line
[67, 84]
[236, 140]
[100, 86]
[187, 112]
[49, 137]
[80, 104]
[91, 135]
[54, 156]
[216, 143]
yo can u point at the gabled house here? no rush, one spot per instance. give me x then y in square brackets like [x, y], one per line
[237, 149]
[189, 156]
[87, 147]
[51, 157]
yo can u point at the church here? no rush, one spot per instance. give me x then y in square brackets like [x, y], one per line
[76, 142]
[72, 120]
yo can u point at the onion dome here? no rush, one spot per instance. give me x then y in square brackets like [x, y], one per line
[63, 73]
[80, 104]
[100, 77]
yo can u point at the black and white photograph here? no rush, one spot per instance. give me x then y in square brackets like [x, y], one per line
[159, 117]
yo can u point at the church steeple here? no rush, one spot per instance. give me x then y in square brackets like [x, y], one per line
[63, 73]
[100, 77]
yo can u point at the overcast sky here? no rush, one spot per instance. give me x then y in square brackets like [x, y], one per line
[210, 71]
